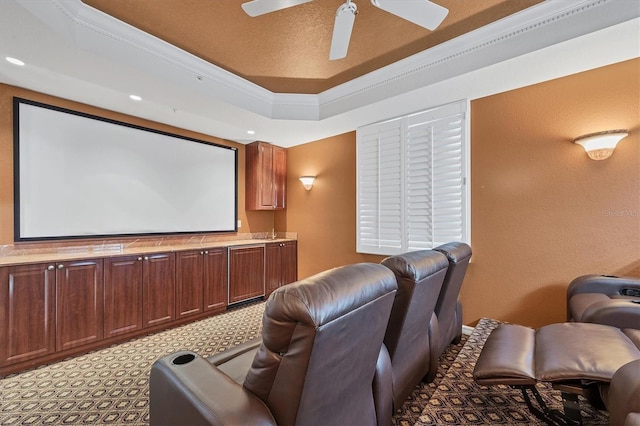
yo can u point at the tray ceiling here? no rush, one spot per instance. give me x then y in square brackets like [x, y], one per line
[288, 51]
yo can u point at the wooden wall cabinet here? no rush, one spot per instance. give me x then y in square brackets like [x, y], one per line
[135, 282]
[49, 307]
[281, 265]
[246, 273]
[201, 281]
[265, 176]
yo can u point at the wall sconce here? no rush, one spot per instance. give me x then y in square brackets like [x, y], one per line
[600, 145]
[307, 181]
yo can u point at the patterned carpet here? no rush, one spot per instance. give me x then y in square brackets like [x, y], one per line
[111, 386]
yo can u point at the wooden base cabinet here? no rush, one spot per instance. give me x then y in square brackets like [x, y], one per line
[27, 314]
[49, 307]
[246, 273]
[215, 279]
[79, 303]
[158, 289]
[122, 295]
[201, 281]
[52, 310]
[139, 292]
[281, 265]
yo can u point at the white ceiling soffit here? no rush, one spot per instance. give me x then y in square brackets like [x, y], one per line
[99, 59]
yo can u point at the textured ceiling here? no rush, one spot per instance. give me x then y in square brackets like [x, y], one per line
[287, 51]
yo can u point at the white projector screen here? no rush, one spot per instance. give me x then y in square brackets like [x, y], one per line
[82, 176]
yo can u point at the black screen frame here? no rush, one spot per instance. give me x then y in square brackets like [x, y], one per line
[17, 101]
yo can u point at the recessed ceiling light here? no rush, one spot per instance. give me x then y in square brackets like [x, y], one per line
[14, 61]
[135, 97]
[251, 132]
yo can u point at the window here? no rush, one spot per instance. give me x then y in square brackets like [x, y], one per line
[412, 180]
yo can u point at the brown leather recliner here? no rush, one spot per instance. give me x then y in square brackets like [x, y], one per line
[448, 308]
[604, 299]
[597, 361]
[321, 341]
[622, 397]
[412, 334]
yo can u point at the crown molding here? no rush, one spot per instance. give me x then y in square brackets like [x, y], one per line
[94, 31]
[543, 25]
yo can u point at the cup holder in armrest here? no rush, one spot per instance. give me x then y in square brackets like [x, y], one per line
[183, 359]
[633, 292]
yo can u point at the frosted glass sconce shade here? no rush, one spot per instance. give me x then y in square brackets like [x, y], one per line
[601, 145]
[307, 181]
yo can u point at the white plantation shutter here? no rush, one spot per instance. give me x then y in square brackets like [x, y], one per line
[379, 205]
[412, 181]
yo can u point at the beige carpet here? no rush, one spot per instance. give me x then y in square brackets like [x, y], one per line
[111, 386]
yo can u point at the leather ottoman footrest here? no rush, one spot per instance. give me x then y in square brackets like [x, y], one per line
[507, 357]
[518, 355]
[581, 351]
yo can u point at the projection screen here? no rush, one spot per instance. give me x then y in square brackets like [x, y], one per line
[79, 176]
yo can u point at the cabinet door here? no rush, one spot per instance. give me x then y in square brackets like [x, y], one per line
[159, 289]
[289, 262]
[79, 303]
[189, 281]
[27, 304]
[279, 176]
[122, 295]
[246, 273]
[265, 176]
[272, 267]
[281, 265]
[215, 279]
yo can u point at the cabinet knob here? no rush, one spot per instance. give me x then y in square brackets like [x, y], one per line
[201, 252]
[139, 258]
[146, 258]
[50, 268]
[206, 252]
[60, 266]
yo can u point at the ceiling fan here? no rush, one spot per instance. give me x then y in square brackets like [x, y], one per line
[421, 12]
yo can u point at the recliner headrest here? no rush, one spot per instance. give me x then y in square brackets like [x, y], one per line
[330, 294]
[456, 252]
[416, 265]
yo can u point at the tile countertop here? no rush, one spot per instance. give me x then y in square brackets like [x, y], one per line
[25, 253]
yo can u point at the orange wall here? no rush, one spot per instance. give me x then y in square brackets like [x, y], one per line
[251, 221]
[542, 211]
[325, 216]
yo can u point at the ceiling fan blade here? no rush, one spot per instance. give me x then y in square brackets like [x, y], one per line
[260, 7]
[342, 27]
[421, 12]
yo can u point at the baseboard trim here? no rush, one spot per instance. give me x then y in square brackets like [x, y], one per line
[467, 330]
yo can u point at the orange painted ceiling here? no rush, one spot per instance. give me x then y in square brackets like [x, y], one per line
[288, 51]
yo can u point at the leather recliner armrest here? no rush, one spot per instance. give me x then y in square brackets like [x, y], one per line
[185, 389]
[604, 284]
[620, 313]
[623, 396]
[235, 351]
